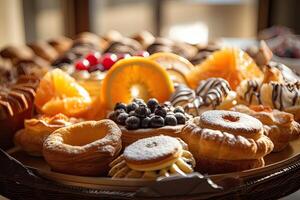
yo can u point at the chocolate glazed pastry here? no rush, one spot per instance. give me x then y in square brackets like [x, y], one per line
[16, 105]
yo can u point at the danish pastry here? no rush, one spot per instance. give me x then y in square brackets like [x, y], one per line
[279, 126]
[36, 130]
[84, 148]
[226, 141]
[153, 157]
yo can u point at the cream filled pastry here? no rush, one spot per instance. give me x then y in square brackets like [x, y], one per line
[153, 157]
[212, 93]
[281, 96]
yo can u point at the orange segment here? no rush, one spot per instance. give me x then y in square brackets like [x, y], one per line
[60, 93]
[135, 77]
[177, 66]
[232, 64]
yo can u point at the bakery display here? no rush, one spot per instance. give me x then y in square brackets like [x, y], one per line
[139, 119]
[279, 126]
[85, 148]
[226, 141]
[149, 158]
[36, 130]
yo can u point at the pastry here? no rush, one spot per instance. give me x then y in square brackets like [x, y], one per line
[141, 78]
[176, 66]
[226, 141]
[281, 96]
[16, 105]
[7, 72]
[84, 148]
[44, 50]
[280, 126]
[140, 120]
[60, 93]
[231, 64]
[213, 93]
[37, 67]
[17, 53]
[149, 158]
[145, 38]
[36, 130]
[61, 44]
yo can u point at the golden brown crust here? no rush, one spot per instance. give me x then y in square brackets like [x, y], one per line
[44, 50]
[221, 145]
[84, 148]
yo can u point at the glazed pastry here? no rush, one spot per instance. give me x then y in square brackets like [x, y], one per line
[139, 120]
[213, 93]
[262, 54]
[44, 50]
[36, 67]
[226, 141]
[36, 130]
[280, 126]
[287, 73]
[17, 53]
[84, 148]
[7, 72]
[145, 38]
[16, 105]
[281, 96]
[149, 158]
[61, 44]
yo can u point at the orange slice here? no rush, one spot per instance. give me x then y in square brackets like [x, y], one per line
[232, 64]
[60, 93]
[177, 66]
[135, 77]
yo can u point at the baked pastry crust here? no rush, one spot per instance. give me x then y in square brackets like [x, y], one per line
[85, 148]
[36, 130]
[224, 146]
[279, 126]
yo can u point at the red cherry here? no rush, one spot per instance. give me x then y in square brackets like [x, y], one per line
[142, 53]
[108, 60]
[123, 56]
[93, 58]
[82, 64]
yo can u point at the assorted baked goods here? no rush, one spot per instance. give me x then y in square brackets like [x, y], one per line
[36, 130]
[149, 158]
[279, 126]
[226, 141]
[168, 103]
[140, 120]
[85, 148]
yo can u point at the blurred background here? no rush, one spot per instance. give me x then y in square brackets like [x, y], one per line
[24, 21]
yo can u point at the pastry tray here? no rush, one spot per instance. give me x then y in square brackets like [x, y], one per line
[281, 175]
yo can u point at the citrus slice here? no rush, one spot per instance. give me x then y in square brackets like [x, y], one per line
[60, 93]
[234, 65]
[177, 66]
[135, 77]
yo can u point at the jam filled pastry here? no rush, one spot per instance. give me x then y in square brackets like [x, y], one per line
[212, 93]
[153, 157]
[279, 126]
[281, 96]
[226, 141]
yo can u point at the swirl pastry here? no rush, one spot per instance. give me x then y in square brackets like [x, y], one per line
[36, 130]
[226, 141]
[84, 148]
[213, 93]
[281, 96]
[153, 157]
[279, 126]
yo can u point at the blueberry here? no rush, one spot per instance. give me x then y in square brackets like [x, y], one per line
[132, 123]
[132, 106]
[152, 104]
[142, 111]
[114, 115]
[160, 111]
[145, 123]
[180, 118]
[139, 101]
[131, 113]
[122, 118]
[120, 106]
[179, 109]
[157, 121]
[170, 120]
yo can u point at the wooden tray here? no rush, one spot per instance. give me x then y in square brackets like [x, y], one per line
[279, 177]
